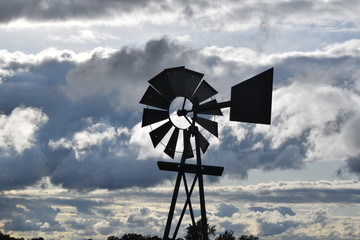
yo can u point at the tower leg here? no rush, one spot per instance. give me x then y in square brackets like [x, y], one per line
[177, 186]
[188, 202]
[203, 209]
[201, 188]
[172, 207]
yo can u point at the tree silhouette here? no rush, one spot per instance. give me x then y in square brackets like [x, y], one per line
[113, 238]
[248, 237]
[194, 232]
[7, 237]
[133, 236]
[227, 235]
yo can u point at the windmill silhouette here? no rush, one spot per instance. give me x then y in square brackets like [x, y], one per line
[179, 100]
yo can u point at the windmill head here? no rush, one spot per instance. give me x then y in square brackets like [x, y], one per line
[251, 99]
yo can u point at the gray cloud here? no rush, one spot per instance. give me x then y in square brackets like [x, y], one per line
[354, 164]
[98, 98]
[86, 135]
[29, 215]
[45, 10]
[124, 72]
[226, 210]
[88, 220]
[20, 170]
[295, 192]
[282, 210]
[203, 15]
[239, 228]
[83, 206]
[103, 170]
[274, 223]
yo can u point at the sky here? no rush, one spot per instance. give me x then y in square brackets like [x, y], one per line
[75, 162]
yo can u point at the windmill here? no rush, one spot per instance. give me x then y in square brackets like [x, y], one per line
[178, 100]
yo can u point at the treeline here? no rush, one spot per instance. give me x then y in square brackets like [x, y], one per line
[133, 236]
[227, 235]
[7, 237]
[193, 232]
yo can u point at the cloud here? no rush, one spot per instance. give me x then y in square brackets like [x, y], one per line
[17, 131]
[102, 213]
[30, 215]
[82, 37]
[21, 159]
[308, 124]
[92, 136]
[106, 167]
[283, 210]
[270, 223]
[294, 192]
[90, 101]
[83, 120]
[353, 164]
[226, 210]
[44, 10]
[201, 15]
[123, 75]
[69, 89]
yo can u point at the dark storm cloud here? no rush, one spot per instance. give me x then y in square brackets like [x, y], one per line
[89, 141]
[103, 170]
[44, 10]
[354, 164]
[76, 100]
[123, 75]
[19, 170]
[25, 97]
[203, 15]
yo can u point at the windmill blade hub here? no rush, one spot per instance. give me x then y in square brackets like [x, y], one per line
[178, 113]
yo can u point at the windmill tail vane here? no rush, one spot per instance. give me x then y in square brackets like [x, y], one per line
[191, 96]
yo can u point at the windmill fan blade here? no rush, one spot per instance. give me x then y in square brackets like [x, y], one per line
[151, 116]
[161, 83]
[215, 111]
[171, 146]
[176, 79]
[183, 81]
[192, 82]
[159, 133]
[189, 153]
[204, 144]
[209, 125]
[204, 91]
[155, 99]
[252, 99]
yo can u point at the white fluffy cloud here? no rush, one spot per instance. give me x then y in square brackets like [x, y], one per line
[317, 108]
[94, 135]
[18, 130]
